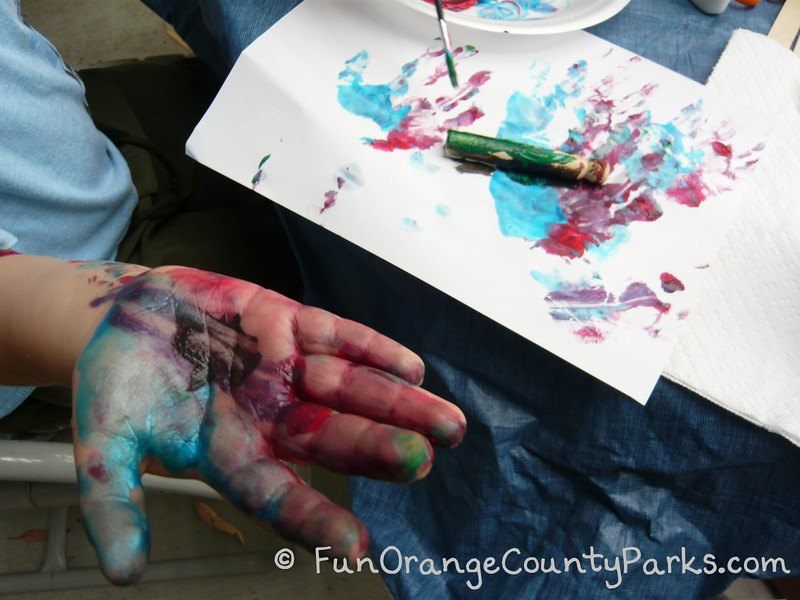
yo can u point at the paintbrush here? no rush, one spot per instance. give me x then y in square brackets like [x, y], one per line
[523, 158]
[448, 47]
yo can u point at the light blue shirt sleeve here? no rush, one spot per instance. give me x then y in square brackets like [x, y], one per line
[65, 190]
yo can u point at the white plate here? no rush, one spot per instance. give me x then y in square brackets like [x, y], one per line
[531, 17]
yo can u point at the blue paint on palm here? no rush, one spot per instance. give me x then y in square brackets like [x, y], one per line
[119, 435]
[107, 483]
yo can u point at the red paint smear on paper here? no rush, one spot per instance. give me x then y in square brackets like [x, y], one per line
[722, 149]
[590, 334]
[671, 284]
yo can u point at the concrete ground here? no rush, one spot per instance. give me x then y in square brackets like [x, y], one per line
[94, 33]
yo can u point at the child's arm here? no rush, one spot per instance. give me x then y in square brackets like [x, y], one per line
[47, 317]
[183, 372]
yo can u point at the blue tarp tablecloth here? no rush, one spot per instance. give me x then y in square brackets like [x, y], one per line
[555, 462]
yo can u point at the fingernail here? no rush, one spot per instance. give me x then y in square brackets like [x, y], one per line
[449, 433]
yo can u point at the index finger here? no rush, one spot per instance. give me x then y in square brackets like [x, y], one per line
[321, 332]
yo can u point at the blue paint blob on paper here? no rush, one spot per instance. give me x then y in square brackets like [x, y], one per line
[411, 224]
[525, 208]
[418, 162]
[373, 101]
[529, 113]
[549, 280]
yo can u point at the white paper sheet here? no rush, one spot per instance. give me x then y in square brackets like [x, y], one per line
[350, 101]
[740, 349]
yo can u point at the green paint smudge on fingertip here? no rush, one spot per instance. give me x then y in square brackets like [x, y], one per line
[414, 454]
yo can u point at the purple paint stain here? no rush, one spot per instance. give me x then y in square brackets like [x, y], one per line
[684, 160]
[349, 177]
[592, 309]
[332, 195]
[220, 352]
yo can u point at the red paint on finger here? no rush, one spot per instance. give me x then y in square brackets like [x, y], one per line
[411, 371]
[303, 419]
[384, 398]
[98, 472]
[308, 517]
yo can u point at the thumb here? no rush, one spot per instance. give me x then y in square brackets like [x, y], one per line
[107, 460]
[112, 505]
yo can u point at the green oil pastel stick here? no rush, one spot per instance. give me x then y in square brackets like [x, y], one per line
[523, 158]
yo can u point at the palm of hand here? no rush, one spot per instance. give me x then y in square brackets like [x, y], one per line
[198, 375]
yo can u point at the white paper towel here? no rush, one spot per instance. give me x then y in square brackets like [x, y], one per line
[741, 346]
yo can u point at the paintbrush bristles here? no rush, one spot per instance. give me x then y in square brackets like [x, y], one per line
[451, 69]
[448, 47]
[524, 158]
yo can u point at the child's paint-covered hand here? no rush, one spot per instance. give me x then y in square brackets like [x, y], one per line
[193, 374]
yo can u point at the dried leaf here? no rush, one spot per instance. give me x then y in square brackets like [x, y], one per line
[209, 517]
[32, 536]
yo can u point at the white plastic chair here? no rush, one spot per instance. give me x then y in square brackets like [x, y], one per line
[42, 475]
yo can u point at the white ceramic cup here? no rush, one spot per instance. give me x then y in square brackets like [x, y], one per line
[712, 7]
